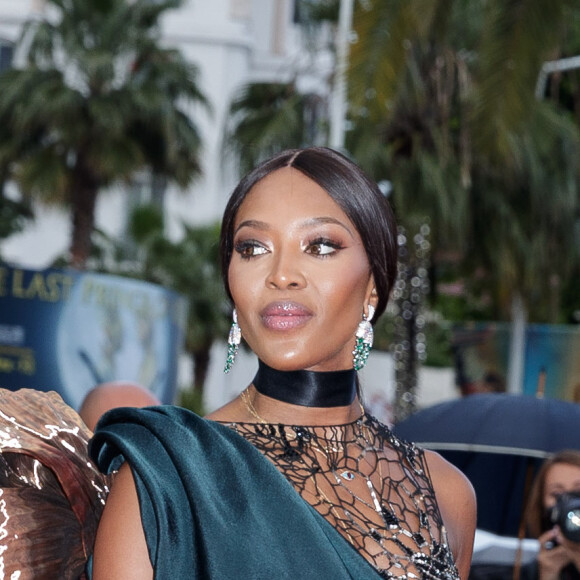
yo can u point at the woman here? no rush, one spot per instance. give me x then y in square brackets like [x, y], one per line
[558, 556]
[287, 478]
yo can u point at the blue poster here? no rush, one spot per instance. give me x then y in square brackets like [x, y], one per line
[481, 358]
[68, 331]
[555, 349]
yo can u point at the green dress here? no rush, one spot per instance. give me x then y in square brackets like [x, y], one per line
[213, 507]
[228, 501]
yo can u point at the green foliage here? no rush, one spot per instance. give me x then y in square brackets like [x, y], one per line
[384, 330]
[437, 338]
[191, 267]
[571, 298]
[265, 118]
[463, 307]
[97, 99]
[438, 344]
[145, 222]
[192, 399]
[13, 216]
[194, 267]
[443, 106]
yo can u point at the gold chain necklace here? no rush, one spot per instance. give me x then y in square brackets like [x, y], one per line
[245, 396]
[250, 407]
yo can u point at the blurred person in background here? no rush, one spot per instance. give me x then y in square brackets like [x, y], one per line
[559, 557]
[111, 395]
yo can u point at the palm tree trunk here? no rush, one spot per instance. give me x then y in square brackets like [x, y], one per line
[82, 198]
[201, 358]
[3, 180]
[555, 298]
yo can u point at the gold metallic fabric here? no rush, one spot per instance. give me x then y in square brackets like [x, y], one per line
[51, 493]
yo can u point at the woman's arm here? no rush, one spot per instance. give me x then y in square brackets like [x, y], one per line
[120, 547]
[456, 500]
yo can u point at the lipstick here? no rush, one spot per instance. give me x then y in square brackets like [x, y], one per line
[285, 315]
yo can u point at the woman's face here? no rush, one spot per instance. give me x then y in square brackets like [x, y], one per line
[560, 478]
[299, 275]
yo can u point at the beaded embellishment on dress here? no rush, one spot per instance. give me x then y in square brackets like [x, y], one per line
[371, 486]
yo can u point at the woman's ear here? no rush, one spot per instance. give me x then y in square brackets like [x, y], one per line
[372, 297]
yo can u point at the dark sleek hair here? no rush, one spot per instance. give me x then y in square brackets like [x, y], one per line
[535, 509]
[357, 195]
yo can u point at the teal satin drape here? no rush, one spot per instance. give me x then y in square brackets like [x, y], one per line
[213, 507]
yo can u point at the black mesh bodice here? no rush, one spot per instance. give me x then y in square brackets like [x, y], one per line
[372, 487]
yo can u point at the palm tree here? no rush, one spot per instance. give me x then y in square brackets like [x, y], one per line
[13, 213]
[98, 98]
[13, 216]
[443, 105]
[267, 117]
[448, 114]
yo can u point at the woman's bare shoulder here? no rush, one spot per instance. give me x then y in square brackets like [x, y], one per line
[441, 469]
[457, 504]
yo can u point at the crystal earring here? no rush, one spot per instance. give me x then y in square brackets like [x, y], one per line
[364, 340]
[234, 339]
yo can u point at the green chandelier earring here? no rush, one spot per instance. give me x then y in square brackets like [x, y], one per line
[234, 340]
[364, 340]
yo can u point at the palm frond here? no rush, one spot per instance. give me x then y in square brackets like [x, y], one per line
[265, 118]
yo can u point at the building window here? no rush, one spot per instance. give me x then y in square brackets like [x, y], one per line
[6, 55]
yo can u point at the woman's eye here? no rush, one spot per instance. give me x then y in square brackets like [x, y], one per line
[323, 247]
[249, 249]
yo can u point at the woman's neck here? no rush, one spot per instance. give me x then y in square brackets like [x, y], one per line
[307, 388]
[303, 397]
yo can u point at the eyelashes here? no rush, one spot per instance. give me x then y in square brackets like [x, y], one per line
[248, 249]
[323, 247]
[320, 247]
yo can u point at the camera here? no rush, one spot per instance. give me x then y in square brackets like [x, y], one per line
[566, 515]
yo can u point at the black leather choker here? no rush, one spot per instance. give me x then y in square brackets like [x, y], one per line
[307, 388]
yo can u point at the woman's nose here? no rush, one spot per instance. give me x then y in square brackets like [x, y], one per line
[285, 272]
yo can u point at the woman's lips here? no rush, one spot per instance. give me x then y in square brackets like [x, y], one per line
[285, 315]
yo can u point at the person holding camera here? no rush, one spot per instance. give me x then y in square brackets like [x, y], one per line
[553, 516]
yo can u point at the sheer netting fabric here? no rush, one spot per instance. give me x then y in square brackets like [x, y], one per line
[370, 486]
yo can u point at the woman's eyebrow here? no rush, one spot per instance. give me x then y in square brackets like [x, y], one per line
[326, 220]
[252, 224]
